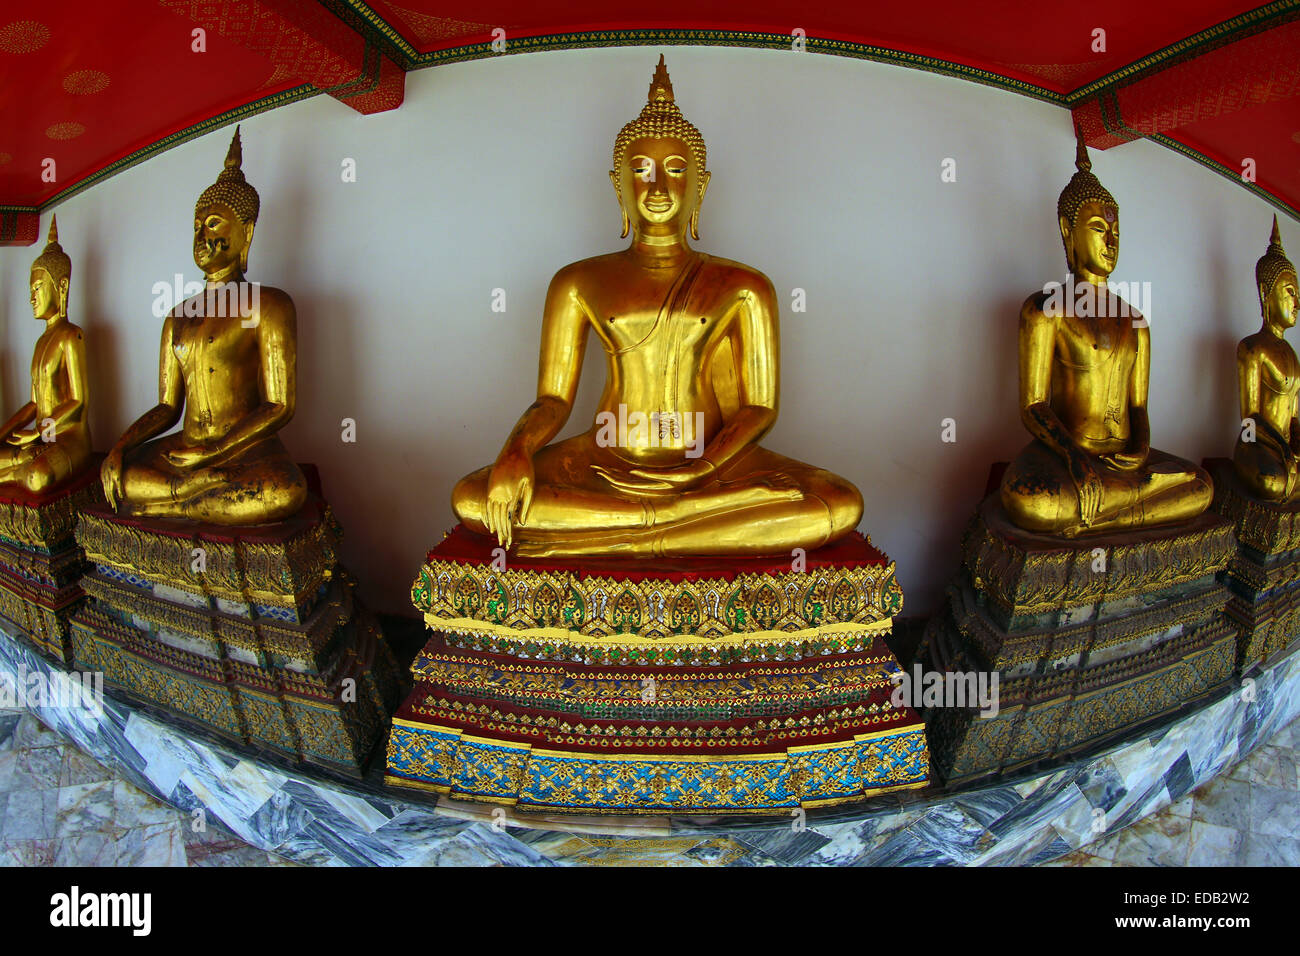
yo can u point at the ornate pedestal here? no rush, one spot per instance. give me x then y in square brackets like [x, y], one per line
[251, 632]
[40, 562]
[1089, 637]
[706, 685]
[1263, 574]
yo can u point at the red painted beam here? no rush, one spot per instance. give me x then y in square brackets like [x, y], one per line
[1221, 79]
[19, 228]
[307, 42]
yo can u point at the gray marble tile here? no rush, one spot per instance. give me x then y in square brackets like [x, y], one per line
[1101, 783]
[1182, 807]
[848, 842]
[989, 805]
[1269, 765]
[27, 853]
[36, 769]
[85, 807]
[1223, 802]
[239, 855]
[157, 845]
[1258, 849]
[1079, 858]
[1032, 821]
[88, 848]
[955, 833]
[1052, 851]
[1211, 845]
[1156, 841]
[479, 845]
[31, 815]
[1079, 823]
[132, 807]
[788, 845]
[1178, 778]
[30, 732]
[1274, 812]
[8, 724]
[907, 848]
[80, 768]
[279, 818]
[719, 851]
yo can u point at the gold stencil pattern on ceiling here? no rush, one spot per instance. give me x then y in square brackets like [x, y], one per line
[23, 36]
[427, 29]
[64, 130]
[85, 82]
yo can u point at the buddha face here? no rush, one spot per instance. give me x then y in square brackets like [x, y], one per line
[45, 294]
[1280, 303]
[659, 185]
[1092, 243]
[221, 241]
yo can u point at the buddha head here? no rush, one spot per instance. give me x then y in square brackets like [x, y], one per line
[659, 170]
[224, 218]
[51, 274]
[1276, 278]
[1089, 219]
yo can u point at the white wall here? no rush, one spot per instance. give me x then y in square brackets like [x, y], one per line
[826, 175]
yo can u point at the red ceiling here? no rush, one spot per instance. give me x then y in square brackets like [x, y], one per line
[1048, 44]
[91, 85]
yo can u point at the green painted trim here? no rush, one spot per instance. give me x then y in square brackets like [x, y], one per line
[181, 136]
[1226, 171]
[381, 38]
[735, 38]
[362, 17]
[1229, 31]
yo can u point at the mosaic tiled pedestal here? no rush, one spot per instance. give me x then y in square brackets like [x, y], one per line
[696, 685]
[1090, 638]
[1020, 821]
[252, 632]
[40, 562]
[1263, 574]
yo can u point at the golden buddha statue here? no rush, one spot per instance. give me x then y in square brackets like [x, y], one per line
[1084, 373]
[234, 376]
[47, 441]
[1267, 456]
[672, 464]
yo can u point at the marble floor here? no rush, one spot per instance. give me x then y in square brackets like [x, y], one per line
[60, 807]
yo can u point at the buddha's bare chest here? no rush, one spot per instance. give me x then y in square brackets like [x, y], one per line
[1280, 371]
[212, 346]
[1103, 348]
[47, 363]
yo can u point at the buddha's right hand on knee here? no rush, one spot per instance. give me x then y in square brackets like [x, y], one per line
[1088, 485]
[110, 473]
[509, 496]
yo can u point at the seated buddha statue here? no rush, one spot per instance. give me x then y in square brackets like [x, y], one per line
[47, 441]
[672, 465]
[233, 376]
[1267, 455]
[1084, 371]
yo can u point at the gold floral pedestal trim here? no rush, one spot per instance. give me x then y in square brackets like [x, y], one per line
[1090, 637]
[448, 760]
[41, 563]
[253, 632]
[281, 566]
[1264, 573]
[566, 607]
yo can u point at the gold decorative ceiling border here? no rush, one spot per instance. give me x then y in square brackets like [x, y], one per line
[382, 35]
